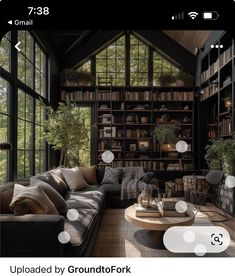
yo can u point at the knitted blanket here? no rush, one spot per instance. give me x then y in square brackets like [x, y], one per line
[132, 182]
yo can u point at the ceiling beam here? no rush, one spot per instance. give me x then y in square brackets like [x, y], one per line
[82, 51]
[169, 48]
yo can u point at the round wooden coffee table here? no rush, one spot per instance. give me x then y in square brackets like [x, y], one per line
[154, 228]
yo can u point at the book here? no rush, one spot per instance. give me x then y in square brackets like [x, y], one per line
[147, 212]
[169, 211]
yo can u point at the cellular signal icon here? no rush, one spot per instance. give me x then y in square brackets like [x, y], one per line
[179, 16]
[193, 15]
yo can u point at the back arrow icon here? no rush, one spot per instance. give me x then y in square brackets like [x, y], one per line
[16, 46]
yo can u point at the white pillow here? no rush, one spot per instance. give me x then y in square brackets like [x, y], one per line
[74, 178]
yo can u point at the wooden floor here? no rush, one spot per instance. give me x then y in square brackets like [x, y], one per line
[118, 238]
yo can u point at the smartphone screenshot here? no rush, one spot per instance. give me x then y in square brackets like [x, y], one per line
[117, 139]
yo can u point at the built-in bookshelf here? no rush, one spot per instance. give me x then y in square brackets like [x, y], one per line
[125, 121]
[217, 88]
[126, 118]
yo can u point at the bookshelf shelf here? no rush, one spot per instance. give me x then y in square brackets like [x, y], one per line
[217, 82]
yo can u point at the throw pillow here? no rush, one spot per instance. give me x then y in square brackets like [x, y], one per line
[53, 195]
[31, 200]
[89, 174]
[53, 180]
[112, 176]
[74, 179]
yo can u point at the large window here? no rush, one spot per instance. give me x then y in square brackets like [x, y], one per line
[161, 66]
[40, 144]
[4, 119]
[5, 49]
[25, 141]
[133, 63]
[110, 63]
[32, 70]
[32, 63]
[138, 63]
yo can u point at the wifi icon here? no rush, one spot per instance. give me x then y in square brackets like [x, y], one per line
[193, 15]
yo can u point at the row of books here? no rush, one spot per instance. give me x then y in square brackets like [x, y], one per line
[214, 67]
[129, 96]
[225, 56]
[78, 96]
[213, 133]
[173, 96]
[210, 90]
[225, 126]
[109, 96]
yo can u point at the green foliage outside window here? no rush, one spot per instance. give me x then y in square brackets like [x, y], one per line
[67, 130]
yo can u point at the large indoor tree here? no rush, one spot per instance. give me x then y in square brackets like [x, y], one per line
[66, 130]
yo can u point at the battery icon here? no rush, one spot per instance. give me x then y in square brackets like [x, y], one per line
[210, 15]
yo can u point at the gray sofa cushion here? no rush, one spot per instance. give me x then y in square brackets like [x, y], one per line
[52, 179]
[79, 229]
[110, 189]
[84, 200]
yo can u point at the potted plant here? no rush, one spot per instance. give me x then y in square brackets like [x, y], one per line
[166, 79]
[70, 77]
[220, 155]
[65, 130]
[165, 134]
[183, 79]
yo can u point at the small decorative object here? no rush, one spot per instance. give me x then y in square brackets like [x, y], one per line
[144, 120]
[145, 198]
[146, 106]
[132, 147]
[138, 133]
[119, 133]
[104, 106]
[139, 106]
[107, 119]
[109, 131]
[143, 145]
[163, 107]
[186, 107]
[128, 133]
[228, 104]
[186, 120]
[144, 133]
[131, 118]
[107, 156]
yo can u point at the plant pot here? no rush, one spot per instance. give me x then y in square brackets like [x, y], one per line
[179, 82]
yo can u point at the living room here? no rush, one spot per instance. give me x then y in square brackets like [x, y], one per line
[110, 139]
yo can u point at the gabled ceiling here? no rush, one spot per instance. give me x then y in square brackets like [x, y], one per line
[74, 47]
[189, 39]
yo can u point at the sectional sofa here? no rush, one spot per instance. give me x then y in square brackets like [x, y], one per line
[37, 234]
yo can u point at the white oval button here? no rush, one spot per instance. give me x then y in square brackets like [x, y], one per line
[192, 239]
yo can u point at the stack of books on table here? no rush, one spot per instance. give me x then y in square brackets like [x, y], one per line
[151, 211]
[167, 208]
